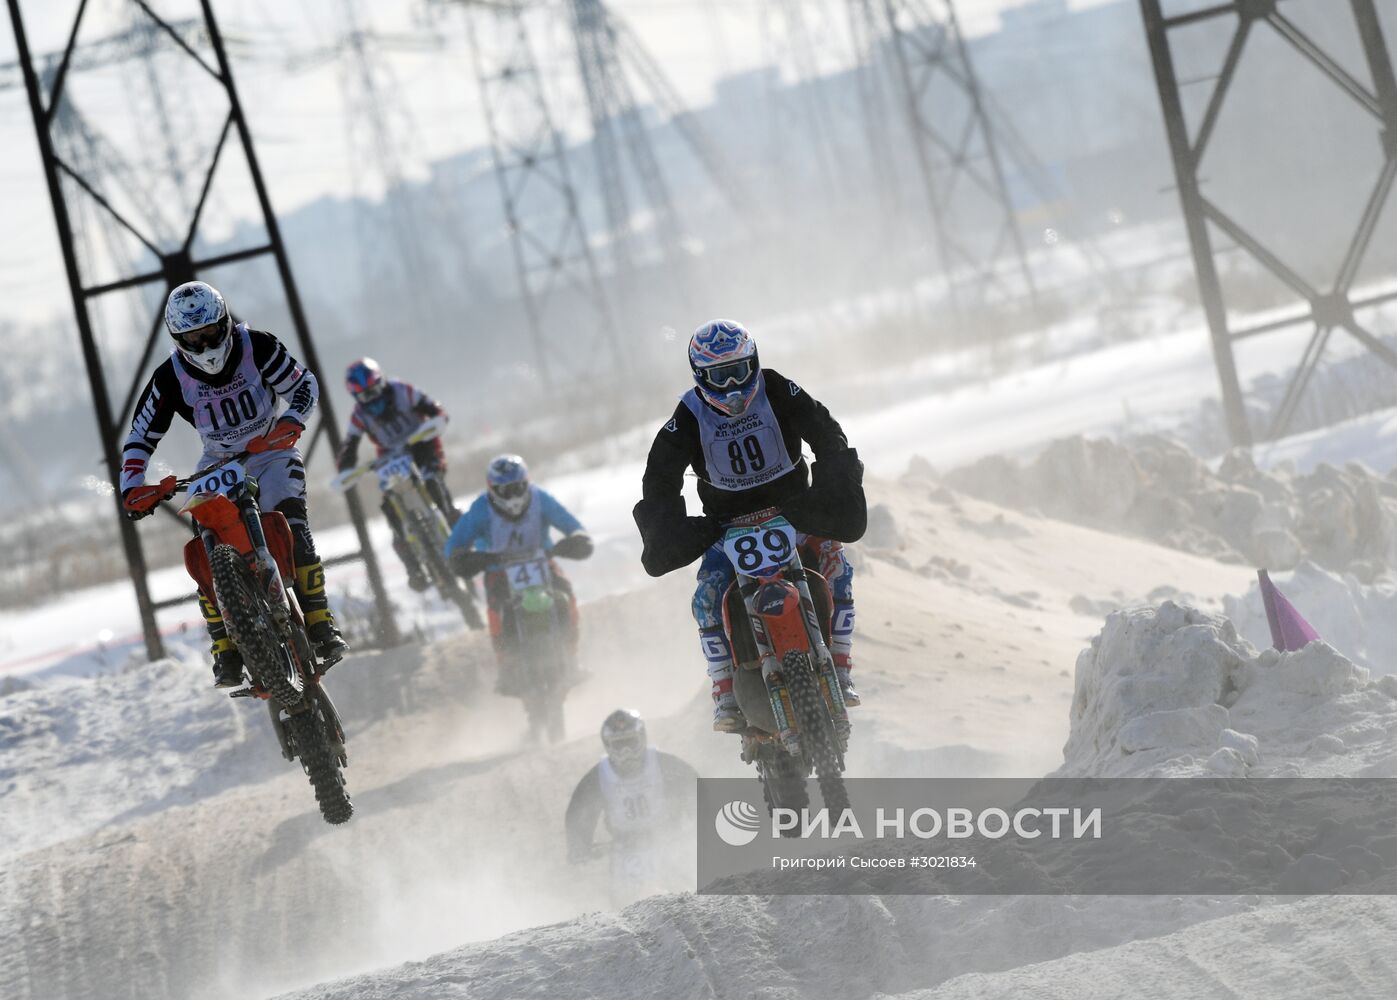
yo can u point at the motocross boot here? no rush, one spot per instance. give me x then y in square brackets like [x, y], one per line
[416, 577]
[727, 717]
[842, 665]
[330, 646]
[227, 661]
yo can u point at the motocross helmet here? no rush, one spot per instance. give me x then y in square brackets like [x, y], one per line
[723, 357]
[365, 382]
[197, 318]
[623, 735]
[508, 479]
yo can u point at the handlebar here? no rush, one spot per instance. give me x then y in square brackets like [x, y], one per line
[747, 520]
[426, 432]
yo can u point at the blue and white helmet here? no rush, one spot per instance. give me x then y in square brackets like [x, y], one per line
[508, 480]
[723, 358]
[198, 320]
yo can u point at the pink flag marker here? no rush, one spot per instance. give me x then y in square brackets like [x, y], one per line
[1289, 630]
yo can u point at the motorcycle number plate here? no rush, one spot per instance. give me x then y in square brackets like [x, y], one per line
[523, 575]
[762, 549]
[399, 466]
[220, 480]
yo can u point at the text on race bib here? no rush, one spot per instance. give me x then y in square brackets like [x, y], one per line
[220, 480]
[396, 467]
[523, 575]
[760, 550]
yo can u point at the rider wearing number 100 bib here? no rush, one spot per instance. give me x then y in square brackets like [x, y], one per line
[243, 392]
[741, 428]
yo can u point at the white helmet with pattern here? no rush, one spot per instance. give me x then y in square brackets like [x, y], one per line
[198, 320]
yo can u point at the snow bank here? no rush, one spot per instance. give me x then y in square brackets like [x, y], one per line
[1175, 692]
[1341, 518]
[1358, 619]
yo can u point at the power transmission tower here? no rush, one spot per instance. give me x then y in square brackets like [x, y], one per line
[552, 254]
[801, 31]
[1330, 307]
[174, 262]
[981, 248]
[374, 140]
[873, 86]
[620, 138]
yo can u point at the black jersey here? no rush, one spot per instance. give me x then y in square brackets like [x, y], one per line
[678, 447]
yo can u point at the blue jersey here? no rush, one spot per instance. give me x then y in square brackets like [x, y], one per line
[483, 528]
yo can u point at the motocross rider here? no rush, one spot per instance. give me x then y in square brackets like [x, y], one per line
[640, 792]
[242, 391]
[390, 411]
[513, 517]
[740, 429]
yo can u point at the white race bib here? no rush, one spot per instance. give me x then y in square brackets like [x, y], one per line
[524, 575]
[220, 480]
[760, 550]
[395, 467]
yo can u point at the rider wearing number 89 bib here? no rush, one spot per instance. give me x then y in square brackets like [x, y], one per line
[741, 428]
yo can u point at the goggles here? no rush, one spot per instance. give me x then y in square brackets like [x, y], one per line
[733, 373]
[204, 338]
[509, 491]
[626, 749]
[372, 393]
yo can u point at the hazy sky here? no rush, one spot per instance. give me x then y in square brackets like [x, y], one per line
[298, 114]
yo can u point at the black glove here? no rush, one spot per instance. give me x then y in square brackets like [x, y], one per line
[578, 545]
[671, 538]
[834, 506]
[468, 562]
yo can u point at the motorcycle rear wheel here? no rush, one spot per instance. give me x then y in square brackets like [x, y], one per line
[312, 744]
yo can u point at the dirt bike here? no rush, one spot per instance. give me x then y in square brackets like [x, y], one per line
[777, 617]
[242, 558]
[538, 609]
[424, 527]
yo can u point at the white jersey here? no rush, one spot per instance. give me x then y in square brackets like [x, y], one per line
[228, 416]
[744, 452]
[524, 537]
[391, 428]
[633, 805]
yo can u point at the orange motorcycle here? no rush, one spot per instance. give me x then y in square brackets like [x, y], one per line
[241, 558]
[777, 617]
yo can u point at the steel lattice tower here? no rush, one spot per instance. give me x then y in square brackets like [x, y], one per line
[175, 260]
[959, 161]
[547, 234]
[1328, 308]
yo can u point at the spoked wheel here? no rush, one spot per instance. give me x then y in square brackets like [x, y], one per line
[817, 736]
[249, 623]
[450, 587]
[783, 785]
[311, 741]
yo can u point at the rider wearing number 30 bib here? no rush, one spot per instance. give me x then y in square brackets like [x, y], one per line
[741, 428]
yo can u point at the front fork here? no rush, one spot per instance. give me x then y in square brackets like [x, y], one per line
[782, 612]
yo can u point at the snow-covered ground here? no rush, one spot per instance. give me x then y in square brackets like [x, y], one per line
[153, 843]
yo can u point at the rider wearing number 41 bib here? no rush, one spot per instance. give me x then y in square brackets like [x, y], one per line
[740, 428]
[243, 392]
[513, 517]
